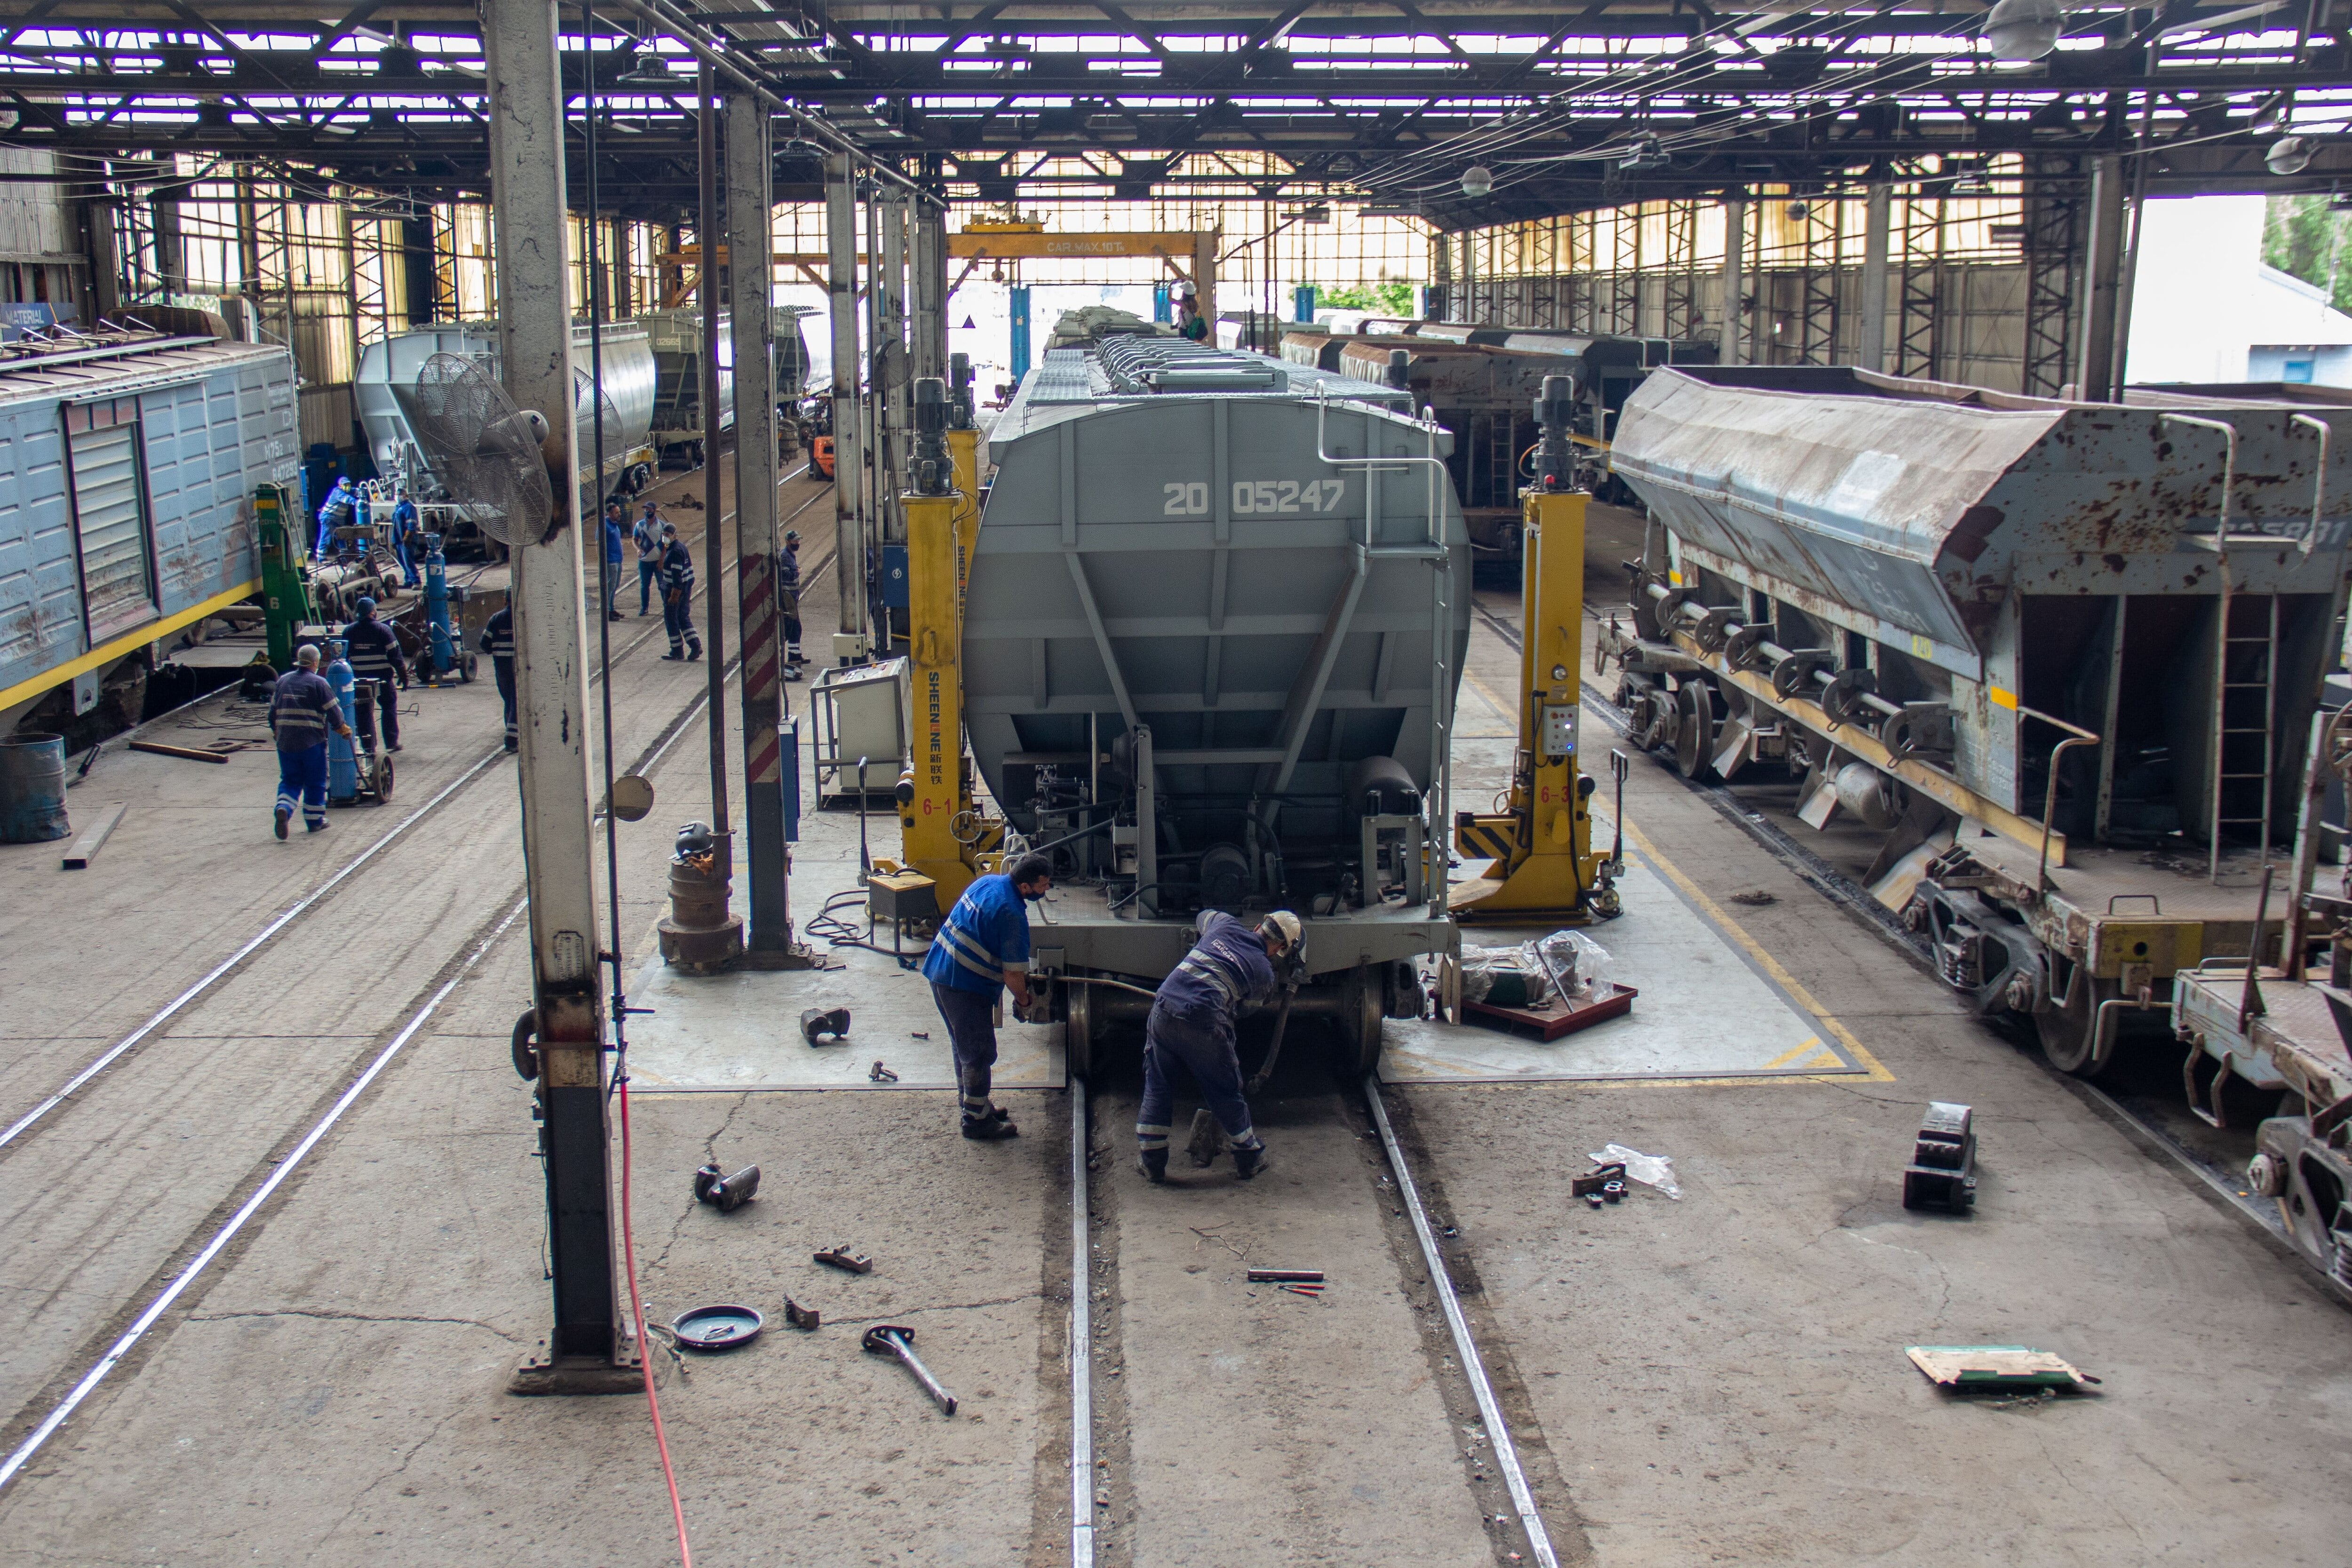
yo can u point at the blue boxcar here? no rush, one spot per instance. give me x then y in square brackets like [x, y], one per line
[126, 475]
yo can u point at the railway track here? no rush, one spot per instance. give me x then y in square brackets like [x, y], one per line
[302, 907]
[1112, 1451]
[168, 1261]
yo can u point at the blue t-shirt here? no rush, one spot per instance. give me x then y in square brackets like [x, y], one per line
[611, 537]
[985, 934]
[1226, 969]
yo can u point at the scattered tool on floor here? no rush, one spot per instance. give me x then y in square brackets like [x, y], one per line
[897, 1340]
[1594, 1183]
[187, 753]
[881, 1074]
[1755, 898]
[843, 1257]
[922, 1033]
[1312, 1292]
[724, 1328]
[724, 1193]
[1942, 1173]
[801, 1317]
[819, 1022]
[85, 848]
[1292, 1276]
[1967, 1367]
[1650, 1170]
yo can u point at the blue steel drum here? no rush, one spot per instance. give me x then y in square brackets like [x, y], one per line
[32, 789]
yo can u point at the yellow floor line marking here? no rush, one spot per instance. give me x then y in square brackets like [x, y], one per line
[1812, 1046]
[1787, 982]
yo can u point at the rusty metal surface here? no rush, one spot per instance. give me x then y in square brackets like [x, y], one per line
[1922, 508]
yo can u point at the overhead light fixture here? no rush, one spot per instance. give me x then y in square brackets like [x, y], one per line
[2023, 30]
[1476, 180]
[1972, 183]
[646, 69]
[2289, 155]
[1646, 155]
[1798, 212]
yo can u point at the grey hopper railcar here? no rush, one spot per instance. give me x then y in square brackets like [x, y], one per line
[1914, 594]
[1210, 592]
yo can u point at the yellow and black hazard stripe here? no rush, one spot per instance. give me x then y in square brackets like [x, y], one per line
[1489, 838]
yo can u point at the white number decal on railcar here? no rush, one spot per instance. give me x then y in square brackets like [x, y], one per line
[1286, 498]
[1186, 501]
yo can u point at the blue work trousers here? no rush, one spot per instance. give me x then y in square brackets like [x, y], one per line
[614, 572]
[1202, 1047]
[646, 572]
[971, 1018]
[303, 782]
[503, 670]
[407, 562]
[677, 616]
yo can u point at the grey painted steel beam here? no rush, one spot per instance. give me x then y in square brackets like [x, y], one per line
[1877, 211]
[841, 298]
[2102, 288]
[528, 216]
[750, 243]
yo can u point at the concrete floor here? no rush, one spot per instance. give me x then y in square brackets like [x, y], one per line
[1719, 1379]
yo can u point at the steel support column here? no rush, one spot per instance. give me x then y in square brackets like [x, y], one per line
[1870, 346]
[841, 297]
[929, 287]
[750, 291]
[1733, 349]
[528, 216]
[2102, 293]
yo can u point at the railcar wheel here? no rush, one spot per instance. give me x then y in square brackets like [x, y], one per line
[2068, 1027]
[1359, 1019]
[1695, 716]
[1078, 1030]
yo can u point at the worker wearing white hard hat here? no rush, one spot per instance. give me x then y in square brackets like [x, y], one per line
[1232, 966]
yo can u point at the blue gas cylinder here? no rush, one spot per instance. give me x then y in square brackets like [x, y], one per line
[441, 638]
[343, 756]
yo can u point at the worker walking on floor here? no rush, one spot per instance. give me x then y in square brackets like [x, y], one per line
[302, 713]
[498, 641]
[1192, 1024]
[373, 650]
[677, 595]
[983, 948]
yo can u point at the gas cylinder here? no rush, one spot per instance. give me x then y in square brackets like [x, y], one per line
[441, 651]
[342, 755]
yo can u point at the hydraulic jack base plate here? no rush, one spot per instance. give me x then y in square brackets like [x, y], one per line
[540, 1373]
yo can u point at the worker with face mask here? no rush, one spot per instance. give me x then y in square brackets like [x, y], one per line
[1191, 1025]
[374, 651]
[981, 949]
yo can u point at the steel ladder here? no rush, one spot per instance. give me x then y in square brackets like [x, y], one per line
[2245, 707]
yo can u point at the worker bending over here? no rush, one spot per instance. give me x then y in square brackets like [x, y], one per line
[677, 595]
[340, 509]
[498, 641]
[303, 712]
[983, 948]
[373, 649]
[1191, 1023]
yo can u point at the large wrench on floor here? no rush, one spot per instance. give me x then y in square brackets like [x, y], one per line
[895, 1340]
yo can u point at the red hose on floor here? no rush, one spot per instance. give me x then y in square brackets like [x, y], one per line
[645, 1341]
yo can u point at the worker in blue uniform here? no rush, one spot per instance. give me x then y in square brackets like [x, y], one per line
[302, 713]
[983, 948]
[337, 511]
[614, 520]
[499, 642]
[677, 595]
[788, 602]
[1192, 1024]
[374, 654]
[407, 536]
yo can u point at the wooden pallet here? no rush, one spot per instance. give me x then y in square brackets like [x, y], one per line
[1550, 1022]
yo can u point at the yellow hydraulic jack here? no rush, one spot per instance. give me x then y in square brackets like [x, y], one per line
[943, 833]
[1544, 869]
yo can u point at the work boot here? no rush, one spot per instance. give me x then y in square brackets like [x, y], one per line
[1153, 1163]
[991, 1128]
[314, 828]
[675, 654]
[693, 652]
[283, 817]
[1248, 1163]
